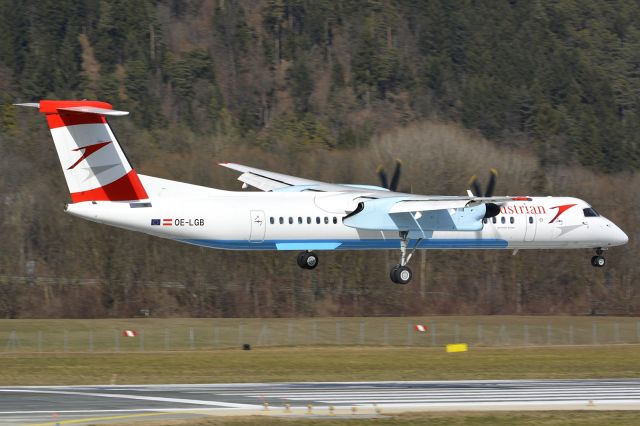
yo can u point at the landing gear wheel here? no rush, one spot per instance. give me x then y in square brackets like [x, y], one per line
[598, 261]
[401, 274]
[307, 260]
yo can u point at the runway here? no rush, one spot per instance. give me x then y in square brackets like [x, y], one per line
[124, 403]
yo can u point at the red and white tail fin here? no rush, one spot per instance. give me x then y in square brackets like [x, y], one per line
[94, 165]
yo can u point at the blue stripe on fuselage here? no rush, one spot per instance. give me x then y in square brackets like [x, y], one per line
[365, 244]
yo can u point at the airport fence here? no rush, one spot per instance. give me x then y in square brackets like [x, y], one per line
[33, 336]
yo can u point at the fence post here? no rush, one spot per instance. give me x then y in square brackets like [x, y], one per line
[216, 336]
[457, 332]
[594, 333]
[166, 339]
[289, 333]
[90, 340]
[116, 340]
[548, 334]
[315, 332]
[338, 333]
[409, 335]
[240, 334]
[504, 338]
[386, 332]
[638, 330]
[616, 333]
[65, 341]
[362, 332]
[480, 332]
[11, 343]
[191, 339]
[571, 339]
[434, 334]
[39, 340]
[142, 340]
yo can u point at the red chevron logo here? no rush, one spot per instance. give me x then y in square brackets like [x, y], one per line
[88, 150]
[561, 209]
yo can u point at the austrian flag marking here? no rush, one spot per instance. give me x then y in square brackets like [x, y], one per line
[167, 222]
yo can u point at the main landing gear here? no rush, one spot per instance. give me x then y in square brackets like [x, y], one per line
[307, 260]
[401, 274]
[598, 260]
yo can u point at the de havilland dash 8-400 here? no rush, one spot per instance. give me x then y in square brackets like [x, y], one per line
[304, 215]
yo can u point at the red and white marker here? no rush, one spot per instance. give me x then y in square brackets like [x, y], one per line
[421, 328]
[129, 333]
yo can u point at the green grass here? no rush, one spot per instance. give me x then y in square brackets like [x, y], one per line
[320, 364]
[105, 335]
[548, 418]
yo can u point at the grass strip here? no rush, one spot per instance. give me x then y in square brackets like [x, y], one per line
[320, 364]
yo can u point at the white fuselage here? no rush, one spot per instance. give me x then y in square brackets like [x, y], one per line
[313, 221]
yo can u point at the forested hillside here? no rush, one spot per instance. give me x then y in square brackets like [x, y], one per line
[549, 93]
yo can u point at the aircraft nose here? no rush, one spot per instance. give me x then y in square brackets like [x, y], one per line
[618, 237]
[622, 237]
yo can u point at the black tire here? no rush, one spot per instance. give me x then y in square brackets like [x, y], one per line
[302, 259]
[403, 275]
[600, 261]
[593, 261]
[311, 260]
[392, 274]
[400, 274]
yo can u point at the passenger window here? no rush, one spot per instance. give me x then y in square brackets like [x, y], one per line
[493, 219]
[290, 220]
[281, 220]
[308, 220]
[299, 220]
[502, 220]
[326, 220]
[530, 219]
[511, 220]
[590, 212]
[271, 220]
[318, 220]
[335, 220]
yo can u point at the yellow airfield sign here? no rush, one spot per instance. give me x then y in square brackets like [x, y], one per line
[457, 347]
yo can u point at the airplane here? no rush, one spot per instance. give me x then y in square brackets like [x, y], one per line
[303, 215]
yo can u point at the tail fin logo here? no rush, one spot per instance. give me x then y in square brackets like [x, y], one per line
[89, 150]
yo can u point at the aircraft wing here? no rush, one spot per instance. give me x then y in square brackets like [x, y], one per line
[278, 182]
[376, 208]
[423, 213]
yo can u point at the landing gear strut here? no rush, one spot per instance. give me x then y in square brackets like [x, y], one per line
[307, 260]
[598, 260]
[401, 274]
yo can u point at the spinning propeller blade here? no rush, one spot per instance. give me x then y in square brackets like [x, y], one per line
[393, 186]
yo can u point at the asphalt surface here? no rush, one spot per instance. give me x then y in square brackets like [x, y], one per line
[125, 404]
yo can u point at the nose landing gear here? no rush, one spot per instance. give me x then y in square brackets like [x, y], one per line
[598, 260]
[307, 260]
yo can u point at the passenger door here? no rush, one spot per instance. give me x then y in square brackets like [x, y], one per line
[531, 224]
[258, 226]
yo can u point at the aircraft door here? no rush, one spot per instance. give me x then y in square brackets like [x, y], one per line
[258, 226]
[531, 227]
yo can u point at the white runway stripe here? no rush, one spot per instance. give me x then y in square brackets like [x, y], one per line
[136, 397]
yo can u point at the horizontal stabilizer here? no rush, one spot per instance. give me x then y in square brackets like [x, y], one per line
[29, 104]
[82, 107]
[94, 110]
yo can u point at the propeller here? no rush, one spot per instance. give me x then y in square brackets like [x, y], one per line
[491, 186]
[395, 178]
[492, 208]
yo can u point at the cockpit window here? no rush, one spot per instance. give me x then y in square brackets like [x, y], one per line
[589, 212]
